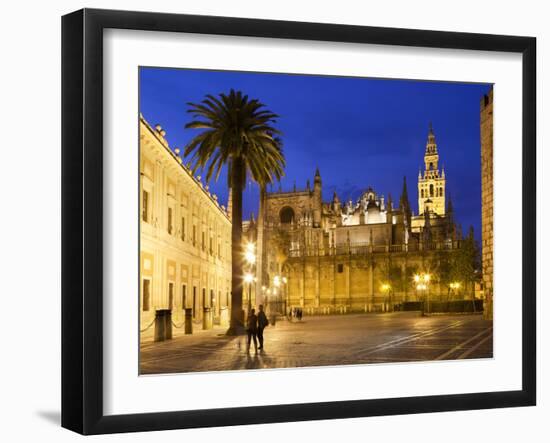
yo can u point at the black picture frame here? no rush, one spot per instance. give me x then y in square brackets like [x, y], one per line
[82, 216]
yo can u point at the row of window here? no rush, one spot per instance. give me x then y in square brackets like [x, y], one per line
[438, 192]
[146, 305]
[170, 227]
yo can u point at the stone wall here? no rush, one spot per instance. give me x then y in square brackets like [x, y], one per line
[486, 130]
[354, 283]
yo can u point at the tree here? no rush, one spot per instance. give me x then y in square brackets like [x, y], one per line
[441, 267]
[465, 262]
[408, 283]
[237, 132]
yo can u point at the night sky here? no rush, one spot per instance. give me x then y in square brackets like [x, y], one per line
[360, 132]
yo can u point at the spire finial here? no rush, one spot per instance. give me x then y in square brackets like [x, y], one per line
[431, 147]
[449, 203]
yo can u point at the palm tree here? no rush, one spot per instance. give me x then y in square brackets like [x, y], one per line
[237, 132]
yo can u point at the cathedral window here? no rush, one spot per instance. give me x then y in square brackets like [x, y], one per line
[422, 193]
[286, 215]
[340, 268]
[431, 190]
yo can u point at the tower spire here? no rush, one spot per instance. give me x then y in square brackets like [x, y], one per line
[431, 145]
[404, 204]
[449, 203]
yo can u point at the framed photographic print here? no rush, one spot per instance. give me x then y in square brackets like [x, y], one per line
[269, 221]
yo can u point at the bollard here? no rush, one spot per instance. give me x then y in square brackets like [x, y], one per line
[207, 318]
[168, 324]
[224, 316]
[159, 325]
[188, 320]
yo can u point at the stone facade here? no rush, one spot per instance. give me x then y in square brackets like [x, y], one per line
[341, 256]
[486, 131]
[185, 237]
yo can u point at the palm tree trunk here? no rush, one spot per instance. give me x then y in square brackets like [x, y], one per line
[237, 315]
[260, 246]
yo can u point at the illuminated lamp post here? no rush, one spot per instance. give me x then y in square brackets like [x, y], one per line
[250, 258]
[386, 288]
[249, 278]
[422, 284]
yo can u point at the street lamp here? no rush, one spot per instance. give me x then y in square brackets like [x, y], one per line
[250, 258]
[249, 254]
[386, 287]
[454, 287]
[249, 278]
[422, 281]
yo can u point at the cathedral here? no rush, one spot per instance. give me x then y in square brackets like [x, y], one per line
[351, 256]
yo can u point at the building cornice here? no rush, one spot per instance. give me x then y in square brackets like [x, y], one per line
[178, 164]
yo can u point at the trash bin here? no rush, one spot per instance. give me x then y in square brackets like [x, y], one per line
[207, 318]
[188, 320]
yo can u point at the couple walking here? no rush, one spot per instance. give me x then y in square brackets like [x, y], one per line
[255, 325]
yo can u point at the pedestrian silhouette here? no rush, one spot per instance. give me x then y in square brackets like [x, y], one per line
[262, 323]
[252, 330]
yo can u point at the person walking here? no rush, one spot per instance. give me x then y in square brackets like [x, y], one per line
[262, 323]
[252, 330]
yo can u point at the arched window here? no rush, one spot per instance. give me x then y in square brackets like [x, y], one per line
[431, 190]
[422, 193]
[286, 215]
[431, 166]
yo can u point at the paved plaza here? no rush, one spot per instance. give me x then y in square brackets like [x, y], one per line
[327, 341]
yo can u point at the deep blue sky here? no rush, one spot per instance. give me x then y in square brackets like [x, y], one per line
[360, 132]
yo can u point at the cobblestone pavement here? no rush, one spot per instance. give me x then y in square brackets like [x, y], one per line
[327, 341]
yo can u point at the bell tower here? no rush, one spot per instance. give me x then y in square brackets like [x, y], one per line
[431, 184]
